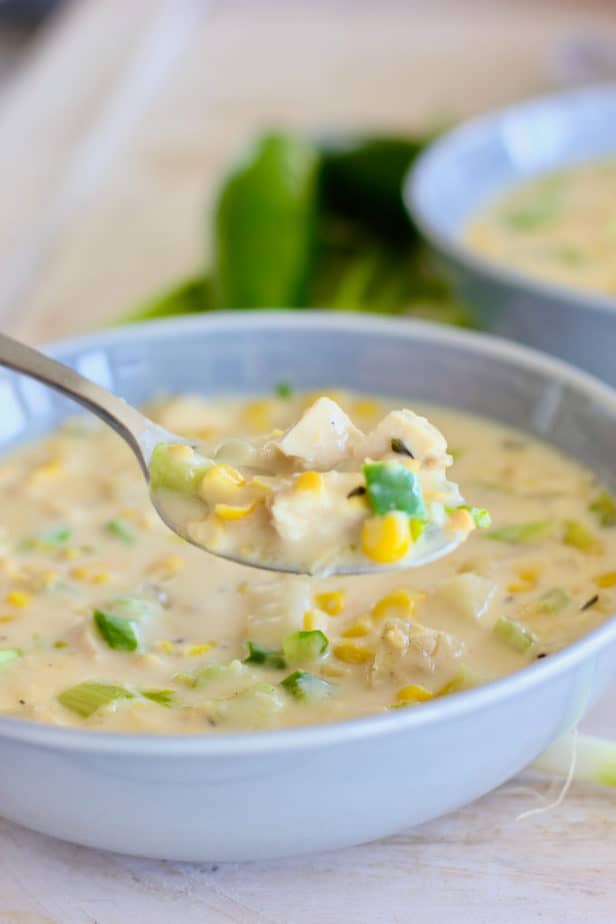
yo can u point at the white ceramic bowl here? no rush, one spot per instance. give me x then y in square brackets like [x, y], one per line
[269, 794]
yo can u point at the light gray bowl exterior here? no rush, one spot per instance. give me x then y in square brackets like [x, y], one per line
[467, 168]
[250, 796]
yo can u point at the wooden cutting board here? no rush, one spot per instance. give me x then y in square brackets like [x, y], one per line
[113, 137]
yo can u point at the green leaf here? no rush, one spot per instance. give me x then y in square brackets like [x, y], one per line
[391, 486]
[513, 634]
[307, 687]
[182, 475]
[604, 506]
[87, 698]
[122, 530]
[187, 297]
[521, 532]
[266, 657]
[119, 633]
[162, 697]
[264, 226]
[305, 646]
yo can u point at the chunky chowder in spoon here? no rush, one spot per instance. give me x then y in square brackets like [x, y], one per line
[109, 621]
[319, 497]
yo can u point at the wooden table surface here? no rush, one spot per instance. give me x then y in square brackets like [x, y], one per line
[113, 137]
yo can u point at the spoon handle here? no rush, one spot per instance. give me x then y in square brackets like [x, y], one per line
[126, 420]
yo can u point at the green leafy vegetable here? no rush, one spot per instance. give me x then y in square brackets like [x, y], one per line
[86, 698]
[122, 530]
[521, 532]
[604, 506]
[164, 698]
[176, 474]
[265, 225]
[391, 486]
[267, 657]
[513, 634]
[119, 633]
[307, 687]
[304, 647]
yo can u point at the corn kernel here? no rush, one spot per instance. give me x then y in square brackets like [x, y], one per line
[45, 471]
[331, 601]
[70, 553]
[366, 407]
[7, 618]
[387, 538]
[18, 598]
[313, 619]
[222, 478]
[414, 693]
[199, 649]
[462, 520]
[258, 414]
[206, 433]
[168, 567]
[234, 512]
[399, 603]
[310, 481]
[353, 653]
[180, 451]
[166, 646]
[358, 629]
[608, 579]
[100, 577]
[529, 573]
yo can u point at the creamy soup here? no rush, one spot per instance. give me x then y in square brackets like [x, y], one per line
[560, 226]
[321, 497]
[109, 621]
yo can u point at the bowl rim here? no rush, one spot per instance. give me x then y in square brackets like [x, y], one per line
[453, 245]
[222, 745]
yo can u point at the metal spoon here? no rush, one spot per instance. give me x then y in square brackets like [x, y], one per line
[142, 435]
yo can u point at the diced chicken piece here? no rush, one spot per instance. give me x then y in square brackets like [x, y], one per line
[470, 594]
[323, 437]
[418, 435]
[407, 649]
[320, 512]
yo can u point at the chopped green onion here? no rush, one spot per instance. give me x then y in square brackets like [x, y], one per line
[49, 539]
[605, 508]
[521, 532]
[513, 634]
[9, 654]
[303, 647]
[307, 687]
[119, 633]
[553, 600]
[86, 698]
[480, 515]
[580, 537]
[121, 530]
[182, 475]
[391, 486]
[283, 390]
[266, 657]
[162, 697]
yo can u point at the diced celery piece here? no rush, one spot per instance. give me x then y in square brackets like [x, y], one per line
[513, 634]
[307, 687]
[162, 697]
[118, 632]
[182, 475]
[521, 532]
[580, 537]
[604, 506]
[480, 515]
[553, 600]
[267, 657]
[86, 698]
[9, 654]
[464, 679]
[392, 486]
[134, 607]
[49, 539]
[121, 530]
[230, 675]
[304, 647]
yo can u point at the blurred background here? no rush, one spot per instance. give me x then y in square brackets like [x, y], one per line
[119, 120]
